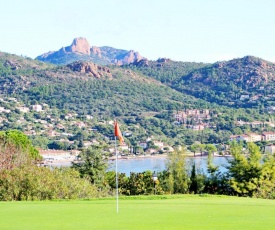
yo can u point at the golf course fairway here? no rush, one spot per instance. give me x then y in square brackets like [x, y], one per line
[159, 212]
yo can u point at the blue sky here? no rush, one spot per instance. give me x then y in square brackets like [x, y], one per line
[193, 30]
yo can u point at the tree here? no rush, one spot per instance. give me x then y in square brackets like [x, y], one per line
[177, 173]
[16, 150]
[215, 182]
[245, 171]
[93, 165]
[140, 183]
[123, 181]
[210, 148]
[267, 180]
[196, 181]
[194, 148]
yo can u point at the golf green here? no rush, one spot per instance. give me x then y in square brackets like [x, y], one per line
[166, 212]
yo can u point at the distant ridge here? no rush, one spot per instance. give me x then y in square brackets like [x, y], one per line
[80, 50]
[225, 82]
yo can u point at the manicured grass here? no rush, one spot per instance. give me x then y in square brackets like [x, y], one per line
[175, 212]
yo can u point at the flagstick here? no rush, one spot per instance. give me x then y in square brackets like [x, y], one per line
[116, 178]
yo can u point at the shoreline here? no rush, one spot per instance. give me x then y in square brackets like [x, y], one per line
[129, 157]
[189, 155]
[137, 156]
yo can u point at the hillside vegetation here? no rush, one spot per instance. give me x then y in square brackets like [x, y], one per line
[118, 91]
[165, 70]
[225, 82]
[143, 96]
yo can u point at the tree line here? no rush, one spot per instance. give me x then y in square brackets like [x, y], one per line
[249, 173]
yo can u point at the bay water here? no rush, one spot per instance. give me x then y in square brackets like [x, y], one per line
[158, 163]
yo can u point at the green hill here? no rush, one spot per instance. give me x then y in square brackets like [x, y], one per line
[225, 82]
[114, 91]
[165, 70]
[143, 96]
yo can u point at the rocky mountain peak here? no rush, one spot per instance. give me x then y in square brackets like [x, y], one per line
[129, 57]
[80, 50]
[132, 56]
[142, 62]
[96, 51]
[90, 69]
[80, 45]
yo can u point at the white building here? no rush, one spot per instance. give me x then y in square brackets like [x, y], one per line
[244, 97]
[37, 108]
[143, 144]
[268, 136]
[251, 137]
[23, 109]
[270, 149]
[254, 137]
[159, 144]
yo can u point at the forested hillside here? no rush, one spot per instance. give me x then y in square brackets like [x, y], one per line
[164, 69]
[117, 92]
[145, 96]
[226, 82]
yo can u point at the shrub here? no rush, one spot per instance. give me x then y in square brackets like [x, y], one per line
[40, 183]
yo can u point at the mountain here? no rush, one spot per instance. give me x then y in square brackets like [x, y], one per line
[13, 62]
[165, 69]
[225, 82]
[85, 87]
[80, 50]
[83, 97]
[90, 69]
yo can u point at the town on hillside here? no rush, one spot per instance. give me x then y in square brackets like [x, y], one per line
[62, 134]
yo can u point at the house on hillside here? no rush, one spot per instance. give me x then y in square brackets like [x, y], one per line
[242, 137]
[240, 123]
[251, 137]
[268, 136]
[124, 147]
[271, 124]
[271, 109]
[80, 124]
[159, 144]
[255, 124]
[269, 149]
[127, 134]
[254, 137]
[244, 97]
[37, 108]
[89, 117]
[198, 127]
[86, 144]
[55, 155]
[143, 144]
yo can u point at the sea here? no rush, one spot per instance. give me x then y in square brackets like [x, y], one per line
[156, 164]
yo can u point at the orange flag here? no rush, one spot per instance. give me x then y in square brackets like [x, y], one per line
[118, 133]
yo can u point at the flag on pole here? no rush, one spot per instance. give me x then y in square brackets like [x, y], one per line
[119, 136]
[118, 133]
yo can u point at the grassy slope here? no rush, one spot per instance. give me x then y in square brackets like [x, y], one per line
[183, 212]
